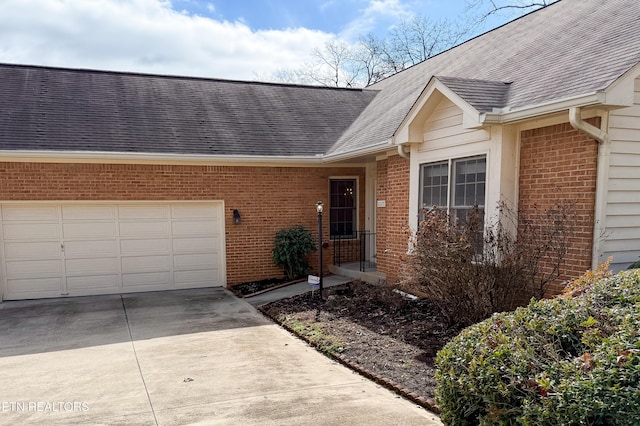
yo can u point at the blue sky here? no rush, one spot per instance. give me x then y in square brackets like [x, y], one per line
[232, 39]
[334, 16]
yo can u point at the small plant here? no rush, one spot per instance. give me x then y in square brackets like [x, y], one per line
[317, 336]
[564, 361]
[290, 249]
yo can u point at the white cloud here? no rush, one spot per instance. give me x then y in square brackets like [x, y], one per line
[377, 12]
[145, 36]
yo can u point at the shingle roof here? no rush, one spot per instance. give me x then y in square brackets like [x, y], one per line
[79, 110]
[483, 95]
[570, 48]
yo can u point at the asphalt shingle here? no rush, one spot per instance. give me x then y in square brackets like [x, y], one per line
[80, 110]
[570, 48]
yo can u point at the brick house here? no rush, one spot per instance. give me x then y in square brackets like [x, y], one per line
[118, 182]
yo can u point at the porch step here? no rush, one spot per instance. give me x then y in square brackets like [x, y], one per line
[372, 277]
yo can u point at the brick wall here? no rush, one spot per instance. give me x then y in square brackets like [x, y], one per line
[558, 163]
[392, 220]
[268, 198]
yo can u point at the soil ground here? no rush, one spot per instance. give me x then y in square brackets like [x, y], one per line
[252, 287]
[374, 328]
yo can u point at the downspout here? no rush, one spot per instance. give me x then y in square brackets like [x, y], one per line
[602, 178]
[402, 153]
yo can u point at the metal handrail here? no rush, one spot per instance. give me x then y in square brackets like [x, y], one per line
[356, 247]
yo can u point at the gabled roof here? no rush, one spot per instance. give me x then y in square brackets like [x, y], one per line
[483, 95]
[56, 109]
[568, 49]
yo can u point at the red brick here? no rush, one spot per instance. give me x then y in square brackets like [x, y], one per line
[268, 198]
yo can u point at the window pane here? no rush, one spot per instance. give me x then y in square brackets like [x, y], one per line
[469, 188]
[434, 185]
[343, 207]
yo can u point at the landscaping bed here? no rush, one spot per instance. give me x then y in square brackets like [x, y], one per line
[387, 337]
[252, 287]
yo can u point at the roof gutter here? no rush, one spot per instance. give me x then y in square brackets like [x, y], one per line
[134, 157]
[402, 153]
[602, 178]
[501, 117]
[369, 150]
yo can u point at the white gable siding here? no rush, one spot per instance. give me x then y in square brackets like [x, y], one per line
[622, 234]
[443, 129]
[444, 137]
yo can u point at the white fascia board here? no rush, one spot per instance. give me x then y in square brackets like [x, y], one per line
[598, 98]
[360, 152]
[622, 89]
[129, 157]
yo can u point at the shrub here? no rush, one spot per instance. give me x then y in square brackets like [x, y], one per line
[289, 251]
[570, 360]
[470, 271]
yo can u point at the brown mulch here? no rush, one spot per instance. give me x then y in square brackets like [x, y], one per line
[375, 330]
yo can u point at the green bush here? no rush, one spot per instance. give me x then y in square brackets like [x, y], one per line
[290, 248]
[564, 361]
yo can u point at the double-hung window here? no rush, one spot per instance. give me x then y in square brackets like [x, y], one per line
[343, 208]
[456, 185]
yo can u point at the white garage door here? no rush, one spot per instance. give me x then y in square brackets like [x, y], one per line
[53, 250]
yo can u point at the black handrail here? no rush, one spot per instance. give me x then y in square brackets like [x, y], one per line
[356, 247]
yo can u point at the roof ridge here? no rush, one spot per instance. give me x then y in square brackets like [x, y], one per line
[180, 77]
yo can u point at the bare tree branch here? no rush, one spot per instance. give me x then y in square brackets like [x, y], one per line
[372, 59]
[487, 8]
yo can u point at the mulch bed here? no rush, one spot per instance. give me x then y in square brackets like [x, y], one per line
[376, 331]
[252, 287]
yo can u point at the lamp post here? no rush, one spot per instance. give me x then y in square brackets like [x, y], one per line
[319, 207]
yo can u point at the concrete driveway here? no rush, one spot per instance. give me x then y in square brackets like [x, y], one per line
[181, 357]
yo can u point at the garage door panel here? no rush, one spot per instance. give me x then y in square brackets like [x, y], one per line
[32, 250]
[201, 278]
[148, 246]
[90, 267]
[145, 229]
[146, 264]
[89, 249]
[190, 211]
[83, 248]
[89, 230]
[28, 288]
[198, 245]
[33, 269]
[31, 231]
[203, 228]
[85, 212]
[26, 212]
[151, 279]
[144, 212]
[103, 282]
[183, 262]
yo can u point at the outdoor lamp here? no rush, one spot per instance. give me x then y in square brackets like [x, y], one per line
[319, 206]
[236, 217]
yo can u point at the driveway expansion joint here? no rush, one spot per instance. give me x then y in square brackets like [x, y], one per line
[135, 354]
